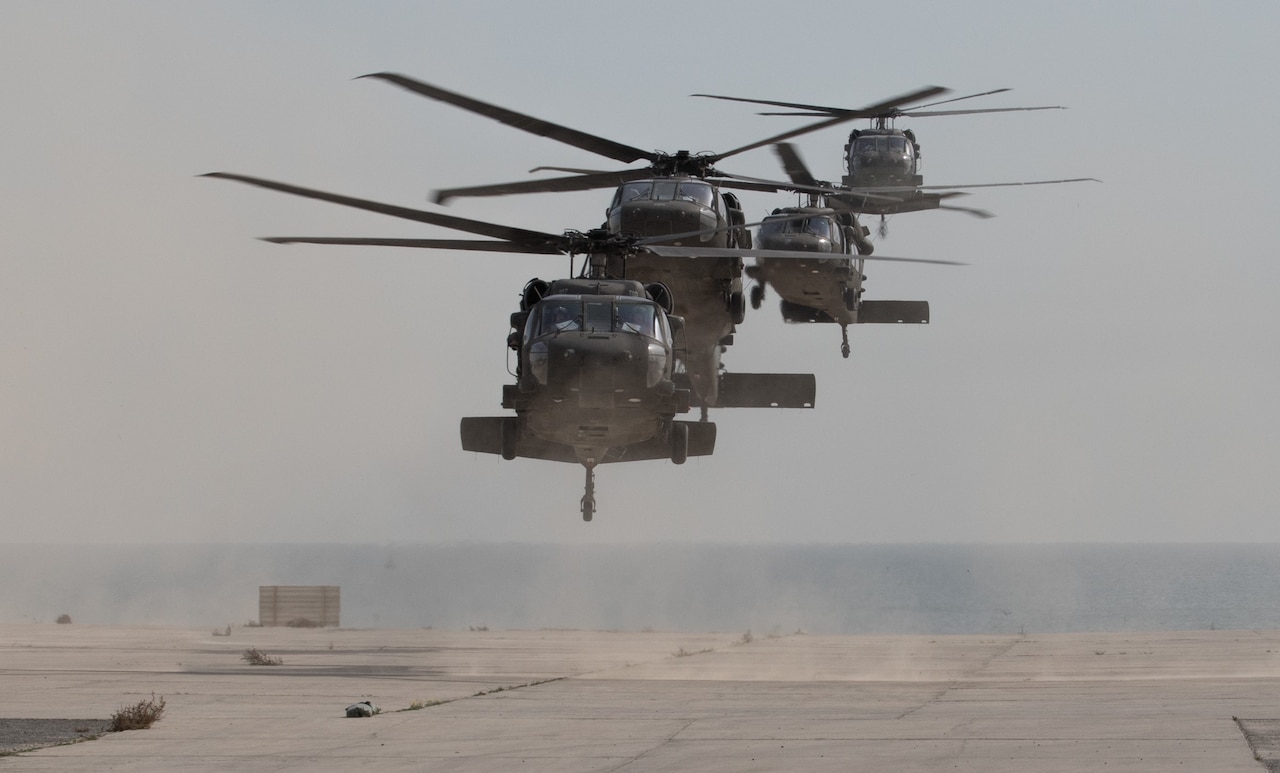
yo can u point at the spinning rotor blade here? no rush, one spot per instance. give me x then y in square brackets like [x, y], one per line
[520, 236]
[891, 112]
[433, 244]
[589, 142]
[810, 109]
[666, 251]
[794, 166]
[582, 182]
[844, 117]
[982, 213]
[909, 188]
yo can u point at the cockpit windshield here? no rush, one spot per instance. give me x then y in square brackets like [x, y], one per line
[668, 190]
[600, 316]
[896, 145]
[815, 226]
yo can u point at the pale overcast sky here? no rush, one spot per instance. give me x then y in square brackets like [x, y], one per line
[1104, 369]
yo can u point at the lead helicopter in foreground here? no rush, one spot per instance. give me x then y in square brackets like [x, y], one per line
[595, 379]
[675, 194]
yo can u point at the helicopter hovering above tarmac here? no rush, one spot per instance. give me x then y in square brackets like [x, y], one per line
[882, 164]
[675, 194]
[883, 155]
[596, 354]
[826, 287]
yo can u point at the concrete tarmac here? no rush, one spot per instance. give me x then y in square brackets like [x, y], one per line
[649, 701]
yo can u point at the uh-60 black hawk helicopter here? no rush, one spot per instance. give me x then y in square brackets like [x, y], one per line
[595, 375]
[675, 194]
[882, 163]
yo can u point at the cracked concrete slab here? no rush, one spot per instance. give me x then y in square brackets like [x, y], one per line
[639, 701]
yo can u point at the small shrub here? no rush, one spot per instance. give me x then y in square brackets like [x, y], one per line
[479, 628]
[139, 716]
[254, 657]
[747, 638]
[64, 619]
[302, 622]
[684, 653]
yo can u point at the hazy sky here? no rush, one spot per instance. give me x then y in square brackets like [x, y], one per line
[1104, 369]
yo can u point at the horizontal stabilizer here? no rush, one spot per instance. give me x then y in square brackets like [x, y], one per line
[483, 434]
[888, 312]
[702, 442]
[760, 390]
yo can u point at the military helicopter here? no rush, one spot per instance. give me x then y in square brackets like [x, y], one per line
[827, 286]
[882, 163]
[883, 154]
[675, 194]
[595, 380]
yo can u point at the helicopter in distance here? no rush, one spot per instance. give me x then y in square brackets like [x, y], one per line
[827, 286]
[595, 380]
[676, 193]
[882, 171]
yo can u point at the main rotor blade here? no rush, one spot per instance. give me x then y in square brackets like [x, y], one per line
[813, 109]
[793, 165]
[961, 99]
[517, 235]
[909, 188]
[867, 112]
[923, 113]
[667, 251]
[580, 182]
[589, 142]
[434, 244]
[982, 213]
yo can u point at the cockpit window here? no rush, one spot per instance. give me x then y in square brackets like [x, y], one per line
[559, 316]
[599, 317]
[699, 192]
[636, 191]
[664, 190]
[637, 318]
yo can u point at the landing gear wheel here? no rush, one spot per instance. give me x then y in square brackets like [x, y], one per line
[850, 298]
[757, 296]
[588, 509]
[737, 307]
[679, 443]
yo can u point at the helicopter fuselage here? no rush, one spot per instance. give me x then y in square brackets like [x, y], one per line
[830, 282]
[882, 156]
[708, 291]
[595, 373]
